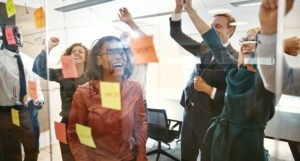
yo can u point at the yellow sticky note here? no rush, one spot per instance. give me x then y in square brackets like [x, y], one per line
[85, 135]
[10, 8]
[15, 117]
[110, 95]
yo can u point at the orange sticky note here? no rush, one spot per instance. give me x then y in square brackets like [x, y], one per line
[39, 18]
[110, 95]
[60, 132]
[143, 50]
[15, 117]
[10, 35]
[84, 134]
[32, 89]
[10, 8]
[68, 67]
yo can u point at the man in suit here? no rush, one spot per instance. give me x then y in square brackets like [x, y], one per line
[203, 97]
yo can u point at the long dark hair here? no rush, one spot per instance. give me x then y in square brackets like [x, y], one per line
[95, 71]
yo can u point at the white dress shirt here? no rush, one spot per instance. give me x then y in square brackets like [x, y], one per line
[9, 78]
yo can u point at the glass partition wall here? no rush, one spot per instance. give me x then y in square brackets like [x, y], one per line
[86, 22]
[95, 109]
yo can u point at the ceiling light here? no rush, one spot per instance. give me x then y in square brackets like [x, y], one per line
[246, 3]
[219, 11]
[238, 23]
[79, 5]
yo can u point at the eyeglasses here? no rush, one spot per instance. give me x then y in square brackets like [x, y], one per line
[248, 40]
[114, 52]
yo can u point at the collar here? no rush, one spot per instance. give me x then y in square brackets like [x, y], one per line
[9, 53]
[226, 44]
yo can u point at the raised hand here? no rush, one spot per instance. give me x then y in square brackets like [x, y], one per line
[187, 5]
[292, 45]
[53, 42]
[125, 15]
[268, 15]
[178, 8]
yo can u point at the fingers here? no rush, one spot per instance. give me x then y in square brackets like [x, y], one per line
[198, 79]
[289, 5]
[269, 4]
[54, 39]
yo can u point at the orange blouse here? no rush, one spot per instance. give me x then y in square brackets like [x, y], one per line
[117, 134]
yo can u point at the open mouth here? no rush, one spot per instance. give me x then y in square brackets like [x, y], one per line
[117, 65]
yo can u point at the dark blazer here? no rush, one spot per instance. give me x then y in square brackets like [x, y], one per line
[212, 73]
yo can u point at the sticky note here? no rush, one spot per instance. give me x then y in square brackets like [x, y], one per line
[60, 132]
[110, 95]
[143, 50]
[85, 135]
[39, 18]
[10, 8]
[15, 117]
[68, 67]
[32, 89]
[10, 36]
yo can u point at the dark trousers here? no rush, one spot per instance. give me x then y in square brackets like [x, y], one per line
[11, 136]
[35, 126]
[65, 148]
[194, 127]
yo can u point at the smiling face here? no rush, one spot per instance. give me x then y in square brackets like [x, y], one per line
[247, 50]
[79, 55]
[248, 43]
[222, 27]
[113, 58]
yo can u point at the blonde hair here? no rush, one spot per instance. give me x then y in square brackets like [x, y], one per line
[252, 31]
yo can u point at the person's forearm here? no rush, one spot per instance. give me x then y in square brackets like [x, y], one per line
[178, 9]
[266, 51]
[135, 27]
[199, 23]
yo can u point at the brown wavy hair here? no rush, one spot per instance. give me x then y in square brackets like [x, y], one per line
[68, 51]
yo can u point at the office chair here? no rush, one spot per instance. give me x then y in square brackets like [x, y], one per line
[159, 129]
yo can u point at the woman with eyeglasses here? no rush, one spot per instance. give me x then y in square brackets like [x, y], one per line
[112, 130]
[238, 133]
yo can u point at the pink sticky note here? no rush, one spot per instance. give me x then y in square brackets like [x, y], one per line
[60, 132]
[32, 89]
[143, 50]
[10, 36]
[68, 66]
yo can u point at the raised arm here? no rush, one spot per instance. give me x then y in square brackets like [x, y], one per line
[210, 37]
[189, 44]
[266, 51]
[125, 16]
[40, 63]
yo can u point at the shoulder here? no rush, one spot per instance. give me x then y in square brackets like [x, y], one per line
[84, 86]
[233, 51]
[132, 84]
